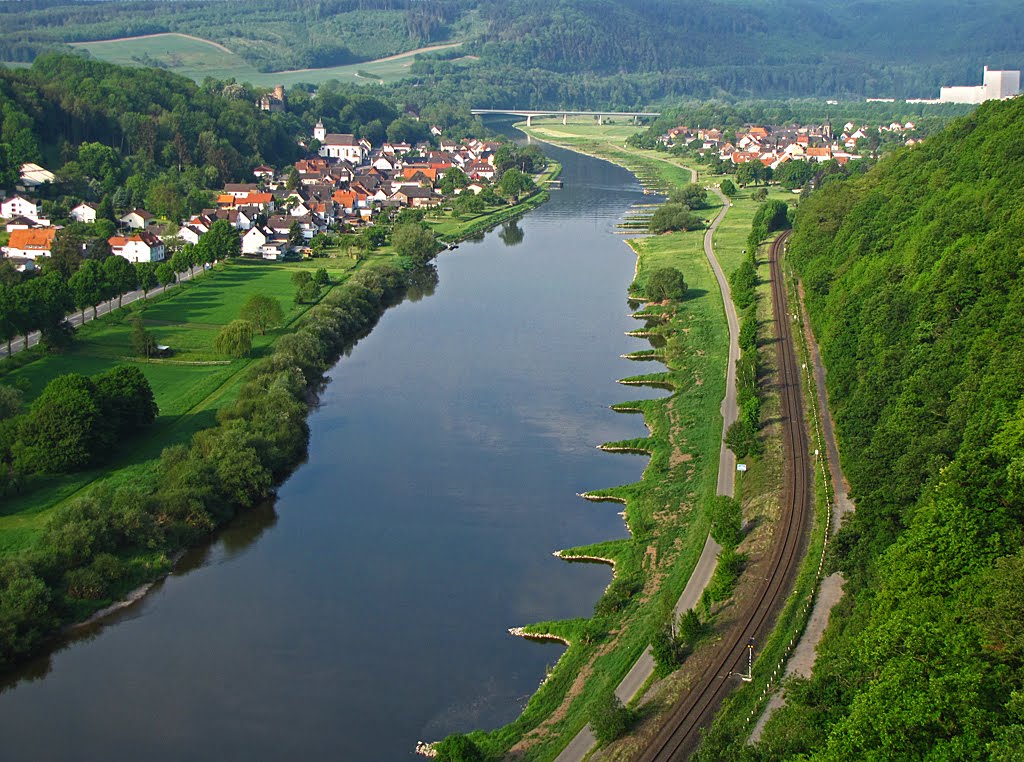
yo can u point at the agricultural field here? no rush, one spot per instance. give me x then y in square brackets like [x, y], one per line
[198, 58]
[582, 130]
[190, 386]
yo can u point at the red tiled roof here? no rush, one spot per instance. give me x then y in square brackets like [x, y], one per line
[39, 239]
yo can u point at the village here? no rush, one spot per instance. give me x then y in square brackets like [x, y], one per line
[774, 147]
[343, 185]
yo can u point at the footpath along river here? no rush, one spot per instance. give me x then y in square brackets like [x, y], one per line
[367, 608]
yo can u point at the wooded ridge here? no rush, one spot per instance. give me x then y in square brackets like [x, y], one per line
[913, 283]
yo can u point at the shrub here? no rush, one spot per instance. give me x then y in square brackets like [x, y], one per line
[609, 719]
[458, 748]
[665, 283]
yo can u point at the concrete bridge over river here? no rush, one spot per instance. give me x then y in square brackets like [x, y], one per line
[564, 114]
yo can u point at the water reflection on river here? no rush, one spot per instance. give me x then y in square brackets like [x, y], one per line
[367, 608]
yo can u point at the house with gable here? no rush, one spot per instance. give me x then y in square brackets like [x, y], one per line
[21, 223]
[84, 212]
[19, 206]
[141, 247]
[137, 219]
[415, 196]
[344, 147]
[189, 234]
[30, 243]
[255, 238]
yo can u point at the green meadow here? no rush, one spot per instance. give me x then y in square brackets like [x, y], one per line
[189, 386]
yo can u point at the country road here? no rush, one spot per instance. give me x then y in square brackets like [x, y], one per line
[75, 318]
[726, 458]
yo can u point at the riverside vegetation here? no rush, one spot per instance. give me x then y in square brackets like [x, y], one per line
[48, 553]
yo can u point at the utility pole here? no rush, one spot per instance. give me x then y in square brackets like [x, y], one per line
[750, 662]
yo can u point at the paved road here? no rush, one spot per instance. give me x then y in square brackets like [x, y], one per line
[75, 318]
[643, 668]
[726, 459]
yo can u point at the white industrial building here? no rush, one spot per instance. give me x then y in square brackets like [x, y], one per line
[998, 86]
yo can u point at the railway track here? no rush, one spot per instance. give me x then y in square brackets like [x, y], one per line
[680, 735]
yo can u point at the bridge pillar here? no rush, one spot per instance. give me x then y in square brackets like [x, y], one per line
[565, 119]
[600, 119]
[636, 119]
[529, 120]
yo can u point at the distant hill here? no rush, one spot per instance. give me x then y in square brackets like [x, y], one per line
[914, 281]
[579, 52]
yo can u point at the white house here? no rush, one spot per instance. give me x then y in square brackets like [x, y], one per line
[21, 223]
[245, 217]
[137, 219]
[141, 247]
[190, 234]
[254, 239]
[240, 190]
[84, 212]
[17, 206]
[275, 249]
[344, 148]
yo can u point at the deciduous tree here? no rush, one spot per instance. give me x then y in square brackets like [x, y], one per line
[235, 339]
[262, 312]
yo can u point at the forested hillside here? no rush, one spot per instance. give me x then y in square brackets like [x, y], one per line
[914, 282]
[579, 53]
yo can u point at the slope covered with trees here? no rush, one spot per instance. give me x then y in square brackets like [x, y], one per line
[913, 280]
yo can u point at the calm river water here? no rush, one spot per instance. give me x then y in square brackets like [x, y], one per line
[368, 607]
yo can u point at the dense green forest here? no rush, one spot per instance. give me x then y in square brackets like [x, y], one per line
[913, 279]
[579, 53]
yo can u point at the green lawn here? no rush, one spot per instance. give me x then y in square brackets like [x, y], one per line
[731, 237]
[198, 58]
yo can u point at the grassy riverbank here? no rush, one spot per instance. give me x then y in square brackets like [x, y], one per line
[452, 228]
[665, 510]
[194, 389]
[196, 381]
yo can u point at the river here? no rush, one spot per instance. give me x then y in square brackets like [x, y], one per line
[367, 608]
